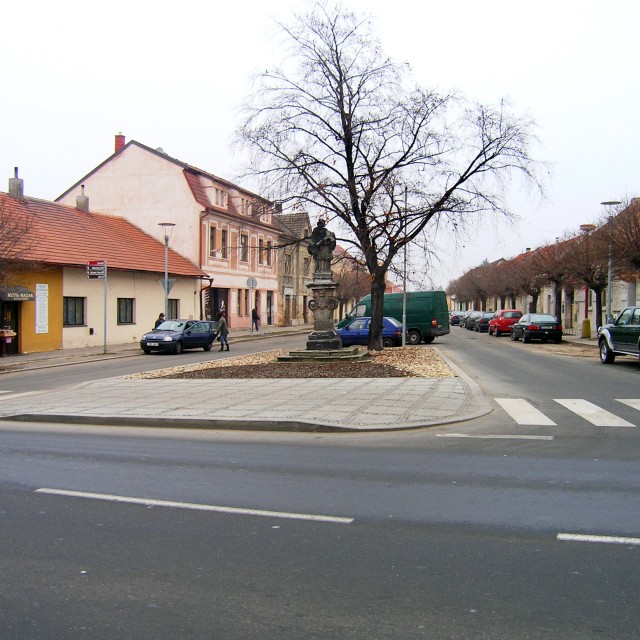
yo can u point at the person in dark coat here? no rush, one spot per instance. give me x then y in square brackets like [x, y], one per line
[223, 331]
[159, 321]
[255, 318]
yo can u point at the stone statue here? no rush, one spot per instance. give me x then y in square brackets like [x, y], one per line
[321, 246]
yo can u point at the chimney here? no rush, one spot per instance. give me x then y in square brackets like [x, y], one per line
[82, 201]
[16, 186]
[120, 142]
[527, 250]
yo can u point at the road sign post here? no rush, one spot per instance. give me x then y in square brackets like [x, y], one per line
[97, 270]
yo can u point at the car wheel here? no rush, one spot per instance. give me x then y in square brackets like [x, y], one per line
[387, 342]
[525, 337]
[514, 337]
[414, 337]
[178, 348]
[606, 355]
[147, 351]
[558, 340]
[496, 333]
[429, 339]
[207, 347]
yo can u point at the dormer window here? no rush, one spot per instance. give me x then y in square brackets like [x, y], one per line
[219, 197]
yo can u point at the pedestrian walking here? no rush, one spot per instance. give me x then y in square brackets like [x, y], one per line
[255, 318]
[159, 321]
[223, 331]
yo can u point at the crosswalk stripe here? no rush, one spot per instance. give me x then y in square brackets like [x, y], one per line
[523, 412]
[634, 404]
[593, 413]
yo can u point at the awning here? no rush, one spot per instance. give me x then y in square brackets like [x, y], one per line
[16, 294]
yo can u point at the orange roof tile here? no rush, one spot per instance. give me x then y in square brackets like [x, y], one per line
[68, 236]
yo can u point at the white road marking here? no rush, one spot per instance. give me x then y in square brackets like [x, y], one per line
[22, 394]
[493, 436]
[634, 404]
[524, 413]
[196, 506]
[576, 537]
[593, 413]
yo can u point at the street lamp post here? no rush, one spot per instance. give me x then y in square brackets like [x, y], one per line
[167, 228]
[609, 204]
[586, 324]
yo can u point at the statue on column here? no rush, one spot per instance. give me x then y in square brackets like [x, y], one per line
[321, 246]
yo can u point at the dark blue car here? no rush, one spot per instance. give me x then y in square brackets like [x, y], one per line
[357, 332]
[173, 336]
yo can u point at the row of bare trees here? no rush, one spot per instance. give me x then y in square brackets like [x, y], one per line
[581, 259]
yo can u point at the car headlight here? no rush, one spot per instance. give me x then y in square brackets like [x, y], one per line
[167, 339]
[144, 337]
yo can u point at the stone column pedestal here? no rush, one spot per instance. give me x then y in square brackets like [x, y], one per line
[324, 337]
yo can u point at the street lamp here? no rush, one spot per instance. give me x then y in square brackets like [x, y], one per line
[167, 229]
[609, 204]
[586, 325]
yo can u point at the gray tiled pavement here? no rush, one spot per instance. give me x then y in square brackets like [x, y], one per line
[304, 404]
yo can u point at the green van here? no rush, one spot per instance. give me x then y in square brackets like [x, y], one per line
[427, 313]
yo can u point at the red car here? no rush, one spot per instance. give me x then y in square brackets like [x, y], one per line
[503, 320]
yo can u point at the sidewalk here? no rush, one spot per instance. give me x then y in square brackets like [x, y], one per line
[301, 404]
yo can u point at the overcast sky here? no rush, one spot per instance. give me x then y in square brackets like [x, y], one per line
[171, 75]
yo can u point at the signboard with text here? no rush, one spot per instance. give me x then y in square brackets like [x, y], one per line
[96, 269]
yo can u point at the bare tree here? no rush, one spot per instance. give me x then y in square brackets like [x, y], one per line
[586, 261]
[624, 232]
[339, 129]
[15, 223]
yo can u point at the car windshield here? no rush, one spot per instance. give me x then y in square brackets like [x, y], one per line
[512, 314]
[170, 325]
[394, 322]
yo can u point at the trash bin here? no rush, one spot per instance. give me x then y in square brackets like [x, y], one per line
[586, 328]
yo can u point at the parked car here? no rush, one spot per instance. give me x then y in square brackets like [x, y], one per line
[357, 332]
[620, 338]
[537, 326]
[481, 323]
[454, 318]
[503, 320]
[470, 322]
[173, 336]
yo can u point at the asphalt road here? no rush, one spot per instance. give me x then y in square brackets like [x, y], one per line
[457, 532]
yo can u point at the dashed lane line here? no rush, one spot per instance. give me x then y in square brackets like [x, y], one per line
[493, 436]
[578, 537]
[197, 507]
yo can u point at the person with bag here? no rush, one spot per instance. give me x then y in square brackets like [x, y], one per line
[223, 331]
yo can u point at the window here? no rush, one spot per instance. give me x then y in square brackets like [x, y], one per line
[219, 198]
[261, 251]
[73, 312]
[269, 252]
[244, 248]
[244, 206]
[174, 308]
[246, 301]
[238, 303]
[212, 241]
[125, 310]
[287, 264]
[306, 264]
[223, 243]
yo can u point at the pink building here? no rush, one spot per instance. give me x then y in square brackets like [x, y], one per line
[227, 230]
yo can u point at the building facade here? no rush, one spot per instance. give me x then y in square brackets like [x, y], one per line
[228, 231]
